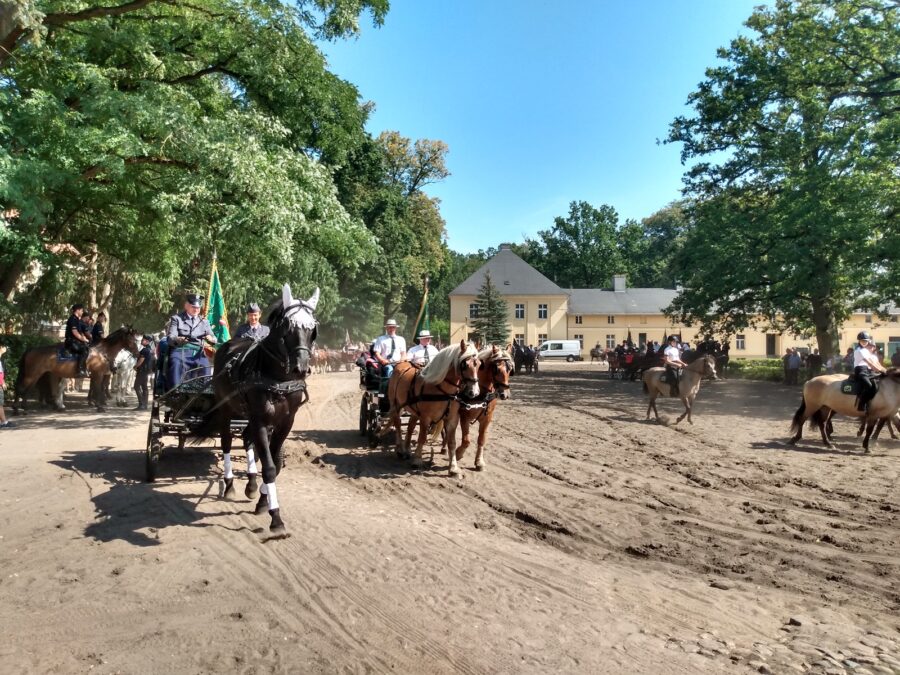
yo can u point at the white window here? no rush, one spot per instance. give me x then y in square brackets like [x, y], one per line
[610, 319]
[520, 310]
[542, 337]
[610, 341]
[580, 339]
[473, 310]
[542, 311]
[520, 338]
[578, 318]
[740, 342]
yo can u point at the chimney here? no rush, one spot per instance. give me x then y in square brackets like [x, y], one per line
[619, 283]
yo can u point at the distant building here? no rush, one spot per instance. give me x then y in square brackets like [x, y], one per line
[539, 310]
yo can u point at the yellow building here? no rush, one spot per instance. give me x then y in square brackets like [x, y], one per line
[540, 310]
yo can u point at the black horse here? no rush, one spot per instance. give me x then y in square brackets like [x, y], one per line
[523, 356]
[264, 382]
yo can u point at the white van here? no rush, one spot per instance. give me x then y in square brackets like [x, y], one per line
[570, 350]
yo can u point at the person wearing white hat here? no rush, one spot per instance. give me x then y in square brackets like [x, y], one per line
[390, 348]
[423, 352]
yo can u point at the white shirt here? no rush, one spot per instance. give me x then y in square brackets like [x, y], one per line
[383, 347]
[863, 357]
[672, 354]
[418, 353]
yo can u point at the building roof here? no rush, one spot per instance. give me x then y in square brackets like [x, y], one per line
[629, 301]
[511, 275]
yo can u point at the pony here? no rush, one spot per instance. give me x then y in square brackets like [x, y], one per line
[264, 382]
[822, 397]
[688, 386]
[597, 354]
[37, 361]
[493, 381]
[123, 378]
[427, 393]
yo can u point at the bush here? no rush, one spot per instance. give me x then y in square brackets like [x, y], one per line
[768, 370]
[16, 346]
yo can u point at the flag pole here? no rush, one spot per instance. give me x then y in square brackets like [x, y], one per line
[423, 309]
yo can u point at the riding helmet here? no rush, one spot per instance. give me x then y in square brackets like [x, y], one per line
[863, 335]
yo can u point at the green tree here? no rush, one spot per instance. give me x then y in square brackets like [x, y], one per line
[491, 323]
[794, 197]
[139, 138]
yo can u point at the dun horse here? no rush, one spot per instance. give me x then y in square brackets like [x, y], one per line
[688, 386]
[493, 380]
[264, 382]
[40, 360]
[427, 394]
[822, 396]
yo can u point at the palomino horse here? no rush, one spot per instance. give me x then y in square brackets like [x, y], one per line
[822, 397]
[688, 386]
[493, 380]
[264, 382]
[427, 394]
[39, 360]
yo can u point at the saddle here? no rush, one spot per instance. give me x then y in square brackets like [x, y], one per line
[63, 354]
[853, 386]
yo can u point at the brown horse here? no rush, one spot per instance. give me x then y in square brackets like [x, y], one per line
[688, 386]
[427, 394]
[822, 397]
[493, 380]
[37, 361]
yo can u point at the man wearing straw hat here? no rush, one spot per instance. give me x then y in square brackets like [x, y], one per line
[388, 350]
[423, 352]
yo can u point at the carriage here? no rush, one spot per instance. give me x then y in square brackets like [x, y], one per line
[372, 418]
[178, 412]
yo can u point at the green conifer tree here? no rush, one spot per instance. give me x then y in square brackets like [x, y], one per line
[491, 323]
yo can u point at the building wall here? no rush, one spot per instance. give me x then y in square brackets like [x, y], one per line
[594, 328]
[554, 326]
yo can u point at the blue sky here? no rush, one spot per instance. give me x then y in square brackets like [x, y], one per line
[541, 103]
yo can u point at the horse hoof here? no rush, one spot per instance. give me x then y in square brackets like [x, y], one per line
[262, 505]
[453, 471]
[228, 488]
[99, 409]
[277, 526]
[416, 462]
[479, 467]
[252, 487]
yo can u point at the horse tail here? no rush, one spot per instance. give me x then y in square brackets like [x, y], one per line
[797, 422]
[817, 419]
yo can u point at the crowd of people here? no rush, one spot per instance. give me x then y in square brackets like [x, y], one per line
[796, 361]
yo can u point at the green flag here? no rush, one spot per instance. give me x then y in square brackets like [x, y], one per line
[422, 321]
[216, 313]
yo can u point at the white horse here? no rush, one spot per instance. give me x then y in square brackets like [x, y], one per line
[123, 379]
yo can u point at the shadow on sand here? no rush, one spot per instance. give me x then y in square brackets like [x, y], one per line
[134, 511]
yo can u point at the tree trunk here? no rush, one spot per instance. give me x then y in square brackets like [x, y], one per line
[10, 279]
[826, 329]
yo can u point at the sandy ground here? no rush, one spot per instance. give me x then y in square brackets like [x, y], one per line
[594, 542]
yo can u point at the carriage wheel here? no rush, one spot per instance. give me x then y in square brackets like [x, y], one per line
[154, 445]
[364, 415]
[373, 425]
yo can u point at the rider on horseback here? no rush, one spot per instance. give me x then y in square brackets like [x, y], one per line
[77, 341]
[864, 362]
[673, 362]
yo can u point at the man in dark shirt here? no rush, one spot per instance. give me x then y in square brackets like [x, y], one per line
[142, 371]
[76, 341]
[98, 330]
[253, 328]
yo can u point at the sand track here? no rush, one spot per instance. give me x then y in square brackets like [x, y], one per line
[594, 542]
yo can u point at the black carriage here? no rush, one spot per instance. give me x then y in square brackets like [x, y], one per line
[373, 408]
[176, 413]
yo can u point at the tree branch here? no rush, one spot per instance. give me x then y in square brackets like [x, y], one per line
[61, 18]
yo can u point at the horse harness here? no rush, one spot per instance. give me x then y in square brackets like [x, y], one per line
[412, 398]
[482, 402]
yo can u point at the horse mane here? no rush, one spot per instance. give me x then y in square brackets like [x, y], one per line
[489, 356]
[277, 314]
[448, 357]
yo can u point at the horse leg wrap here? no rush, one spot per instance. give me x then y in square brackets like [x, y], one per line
[273, 496]
[251, 461]
[226, 459]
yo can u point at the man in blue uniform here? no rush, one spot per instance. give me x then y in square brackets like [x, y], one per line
[253, 328]
[142, 371]
[76, 341]
[97, 330]
[188, 333]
